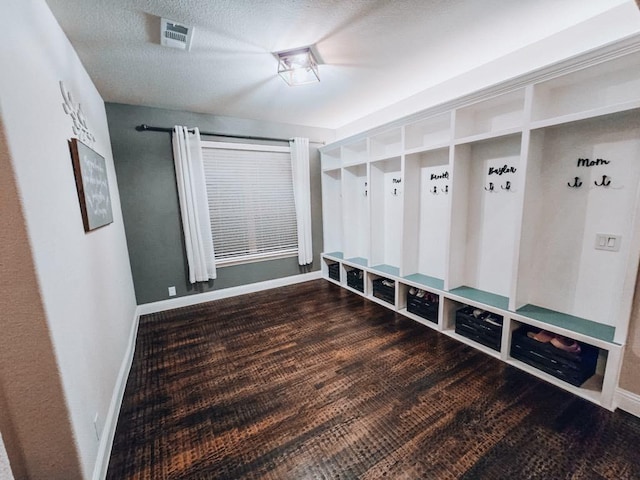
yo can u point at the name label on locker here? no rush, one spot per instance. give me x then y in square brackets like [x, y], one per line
[502, 170]
[585, 162]
[444, 175]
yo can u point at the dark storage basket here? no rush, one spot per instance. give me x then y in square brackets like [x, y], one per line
[334, 271]
[424, 304]
[355, 279]
[573, 368]
[480, 326]
[385, 290]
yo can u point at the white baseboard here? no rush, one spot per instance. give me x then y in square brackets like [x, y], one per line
[111, 420]
[628, 401]
[189, 300]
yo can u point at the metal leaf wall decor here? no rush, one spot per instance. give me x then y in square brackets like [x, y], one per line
[80, 128]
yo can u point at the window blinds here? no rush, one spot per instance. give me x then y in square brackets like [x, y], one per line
[251, 203]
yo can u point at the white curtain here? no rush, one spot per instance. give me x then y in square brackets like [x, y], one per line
[302, 197]
[194, 207]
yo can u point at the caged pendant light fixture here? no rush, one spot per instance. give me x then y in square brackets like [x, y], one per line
[298, 66]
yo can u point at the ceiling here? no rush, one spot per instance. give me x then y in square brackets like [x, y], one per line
[373, 52]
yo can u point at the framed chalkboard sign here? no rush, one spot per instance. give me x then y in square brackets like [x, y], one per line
[92, 184]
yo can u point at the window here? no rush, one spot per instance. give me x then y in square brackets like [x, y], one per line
[251, 203]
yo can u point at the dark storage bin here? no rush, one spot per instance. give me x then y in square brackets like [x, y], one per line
[334, 271]
[355, 279]
[573, 368]
[480, 326]
[423, 303]
[384, 290]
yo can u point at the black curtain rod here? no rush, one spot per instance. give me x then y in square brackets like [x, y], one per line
[147, 128]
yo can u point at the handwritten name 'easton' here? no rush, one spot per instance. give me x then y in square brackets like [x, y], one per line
[502, 170]
[444, 175]
[585, 162]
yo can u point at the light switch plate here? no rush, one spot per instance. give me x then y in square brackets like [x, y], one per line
[608, 242]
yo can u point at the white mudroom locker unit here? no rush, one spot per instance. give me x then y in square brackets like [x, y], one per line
[495, 216]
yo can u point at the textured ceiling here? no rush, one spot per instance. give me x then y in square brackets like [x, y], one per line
[374, 52]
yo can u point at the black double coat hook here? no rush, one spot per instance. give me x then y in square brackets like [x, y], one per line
[603, 183]
[576, 183]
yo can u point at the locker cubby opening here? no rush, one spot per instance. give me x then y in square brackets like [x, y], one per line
[332, 210]
[355, 278]
[480, 325]
[332, 269]
[331, 159]
[356, 152]
[355, 207]
[382, 288]
[386, 213]
[387, 144]
[582, 180]
[426, 216]
[455, 326]
[484, 219]
[423, 303]
[556, 355]
[495, 115]
[601, 87]
[430, 132]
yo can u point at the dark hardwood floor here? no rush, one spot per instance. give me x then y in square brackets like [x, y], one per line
[313, 382]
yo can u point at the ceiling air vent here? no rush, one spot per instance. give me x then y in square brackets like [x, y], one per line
[174, 35]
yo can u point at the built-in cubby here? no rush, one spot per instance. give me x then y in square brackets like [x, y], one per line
[455, 324]
[355, 278]
[386, 213]
[582, 190]
[331, 269]
[332, 159]
[421, 303]
[601, 89]
[355, 195]
[495, 116]
[549, 352]
[332, 215]
[562, 357]
[382, 289]
[510, 214]
[427, 185]
[432, 132]
[387, 144]
[356, 152]
[484, 217]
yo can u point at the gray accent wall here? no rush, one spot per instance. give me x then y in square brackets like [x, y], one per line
[149, 198]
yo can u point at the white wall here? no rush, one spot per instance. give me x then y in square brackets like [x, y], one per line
[5, 468]
[615, 24]
[84, 278]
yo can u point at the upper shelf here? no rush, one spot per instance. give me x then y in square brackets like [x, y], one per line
[355, 153]
[332, 159]
[387, 144]
[428, 133]
[596, 90]
[502, 113]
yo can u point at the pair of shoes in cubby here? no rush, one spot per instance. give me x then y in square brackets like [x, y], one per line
[416, 292]
[558, 341]
[486, 316]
